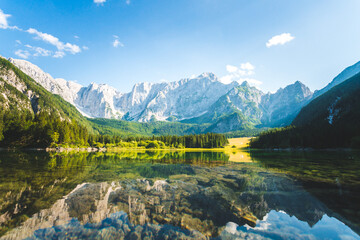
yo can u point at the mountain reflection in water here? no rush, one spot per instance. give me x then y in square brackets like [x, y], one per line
[166, 195]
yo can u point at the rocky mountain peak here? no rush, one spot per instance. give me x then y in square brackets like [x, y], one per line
[245, 84]
[209, 75]
[66, 89]
[296, 88]
[184, 99]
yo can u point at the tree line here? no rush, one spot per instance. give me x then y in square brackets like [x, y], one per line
[208, 140]
[20, 128]
[310, 136]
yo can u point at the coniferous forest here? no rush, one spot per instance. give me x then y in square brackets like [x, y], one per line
[47, 130]
[30, 116]
[329, 121]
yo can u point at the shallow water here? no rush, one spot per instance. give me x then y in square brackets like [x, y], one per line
[169, 195]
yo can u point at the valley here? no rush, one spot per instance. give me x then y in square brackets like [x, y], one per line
[191, 119]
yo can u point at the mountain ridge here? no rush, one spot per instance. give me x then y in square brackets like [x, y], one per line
[32, 116]
[330, 120]
[203, 104]
[341, 77]
[203, 98]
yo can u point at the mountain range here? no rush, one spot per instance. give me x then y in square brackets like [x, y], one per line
[330, 120]
[203, 99]
[194, 105]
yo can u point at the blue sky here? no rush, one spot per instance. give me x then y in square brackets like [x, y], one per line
[122, 42]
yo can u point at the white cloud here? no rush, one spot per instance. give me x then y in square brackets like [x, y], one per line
[279, 40]
[22, 53]
[59, 54]
[38, 51]
[227, 79]
[99, 1]
[231, 68]
[77, 37]
[3, 20]
[252, 81]
[116, 43]
[85, 47]
[61, 46]
[240, 74]
[247, 66]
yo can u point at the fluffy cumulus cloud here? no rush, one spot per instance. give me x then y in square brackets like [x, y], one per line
[241, 73]
[247, 66]
[116, 43]
[279, 39]
[3, 20]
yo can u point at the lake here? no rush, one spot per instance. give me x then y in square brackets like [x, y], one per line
[180, 195]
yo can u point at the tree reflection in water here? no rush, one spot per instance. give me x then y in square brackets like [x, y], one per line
[193, 193]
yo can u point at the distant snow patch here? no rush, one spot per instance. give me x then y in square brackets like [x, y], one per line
[332, 111]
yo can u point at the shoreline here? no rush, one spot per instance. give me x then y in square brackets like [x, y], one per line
[115, 149]
[225, 149]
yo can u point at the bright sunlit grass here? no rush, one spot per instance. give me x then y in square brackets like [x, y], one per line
[239, 142]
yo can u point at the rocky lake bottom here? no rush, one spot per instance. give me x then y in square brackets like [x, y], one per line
[180, 195]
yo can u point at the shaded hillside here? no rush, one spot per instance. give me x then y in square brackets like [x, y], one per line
[329, 121]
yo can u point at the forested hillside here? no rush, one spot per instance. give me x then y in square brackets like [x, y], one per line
[329, 121]
[30, 116]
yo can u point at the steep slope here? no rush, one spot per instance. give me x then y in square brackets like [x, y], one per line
[30, 115]
[257, 108]
[235, 121]
[66, 89]
[242, 99]
[154, 101]
[179, 100]
[200, 100]
[330, 120]
[146, 102]
[98, 101]
[338, 106]
[344, 75]
[280, 108]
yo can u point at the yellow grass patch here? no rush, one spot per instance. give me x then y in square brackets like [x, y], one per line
[239, 142]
